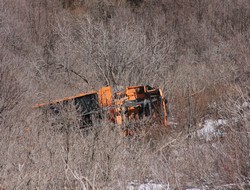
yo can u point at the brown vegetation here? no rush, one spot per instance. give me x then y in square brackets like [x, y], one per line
[197, 51]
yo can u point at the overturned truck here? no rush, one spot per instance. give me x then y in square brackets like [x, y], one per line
[122, 107]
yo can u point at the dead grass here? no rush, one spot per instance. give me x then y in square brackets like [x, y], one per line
[197, 53]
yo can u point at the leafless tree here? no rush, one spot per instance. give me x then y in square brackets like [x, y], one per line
[197, 51]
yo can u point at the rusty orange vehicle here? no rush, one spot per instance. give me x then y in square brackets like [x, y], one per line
[131, 104]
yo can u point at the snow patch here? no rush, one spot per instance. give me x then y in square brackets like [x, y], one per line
[147, 186]
[246, 105]
[210, 129]
[153, 186]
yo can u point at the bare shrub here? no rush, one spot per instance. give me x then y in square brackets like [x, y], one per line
[10, 92]
[195, 50]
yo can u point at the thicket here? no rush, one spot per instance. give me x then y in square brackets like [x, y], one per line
[197, 51]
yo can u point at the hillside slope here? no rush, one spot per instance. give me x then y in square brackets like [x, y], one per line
[197, 51]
